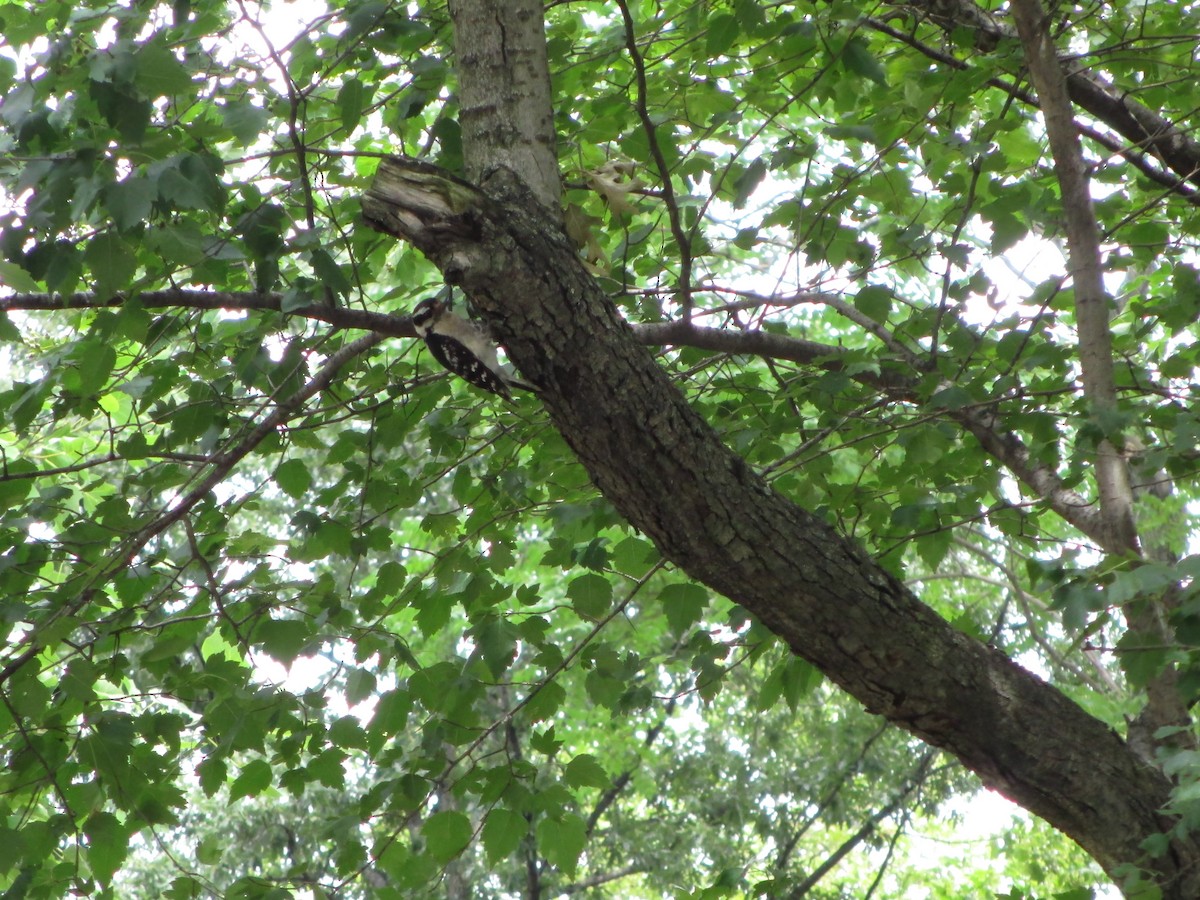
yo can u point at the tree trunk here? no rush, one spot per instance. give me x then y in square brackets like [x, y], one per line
[669, 474]
[504, 92]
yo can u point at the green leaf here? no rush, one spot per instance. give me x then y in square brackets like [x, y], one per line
[391, 713]
[329, 272]
[25, 401]
[723, 30]
[604, 690]
[590, 595]
[12, 848]
[863, 133]
[8, 331]
[684, 605]
[585, 771]
[874, 301]
[434, 686]
[294, 478]
[800, 678]
[447, 834]
[190, 182]
[245, 120]
[210, 850]
[120, 104]
[1142, 657]
[634, 556]
[562, 841]
[347, 732]
[130, 201]
[350, 101]
[158, 73]
[502, 833]
[283, 639]
[255, 777]
[771, 689]
[108, 844]
[212, 772]
[18, 279]
[857, 57]
[545, 702]
[747, 181]
[329, 768]
[93, 364]
[364, 16]
[594, 555]
[496, 639]
[112, 263]
[360, 684]
[181, 243]
[952, 397]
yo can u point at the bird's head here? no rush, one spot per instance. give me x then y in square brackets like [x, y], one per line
[426, 313]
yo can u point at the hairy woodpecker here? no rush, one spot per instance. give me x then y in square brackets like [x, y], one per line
[462, 347]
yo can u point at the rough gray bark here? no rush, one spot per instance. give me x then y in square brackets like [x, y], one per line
[669, 474]
[504, 92]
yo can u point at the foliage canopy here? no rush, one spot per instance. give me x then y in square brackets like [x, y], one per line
[288, 610]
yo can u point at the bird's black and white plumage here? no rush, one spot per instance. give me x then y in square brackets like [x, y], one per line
[463, 347]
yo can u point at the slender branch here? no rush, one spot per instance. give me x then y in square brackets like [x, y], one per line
[599, 879]
[660, 162]
[789, 845]
[621, 781]
[1165, 705]
[213, 586]
[86, 464]
[381, 323]
[897, 382]
[1083, 245]
[221, 465]
[297, 100]
[920, 773]
[1132, 149]
[887, 857]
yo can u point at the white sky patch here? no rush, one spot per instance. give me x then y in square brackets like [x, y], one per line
[983, 818]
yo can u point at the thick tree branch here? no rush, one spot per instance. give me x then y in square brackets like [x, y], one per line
[669, 474]
[1141, 126]
[1004, 446]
